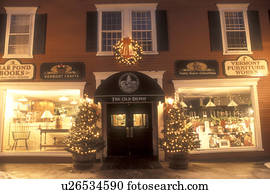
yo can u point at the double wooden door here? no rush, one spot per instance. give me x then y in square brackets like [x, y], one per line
[130, 130]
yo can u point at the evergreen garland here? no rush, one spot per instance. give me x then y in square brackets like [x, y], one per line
[85, 136]
[178, 132]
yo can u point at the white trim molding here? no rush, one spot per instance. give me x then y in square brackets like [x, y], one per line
[241, 7]
[126, 26]
[31, 11]
[224, 83]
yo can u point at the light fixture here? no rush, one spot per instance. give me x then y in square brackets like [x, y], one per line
[89, 100]
[47, 116]
[250, 111]
[210, 103]
[232, 103]
[63, 99]
[169, 101]
[23, 99]
[74, 102]
[183, 104]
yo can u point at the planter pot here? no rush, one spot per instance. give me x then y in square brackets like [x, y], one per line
[83, 162]
[178, 160]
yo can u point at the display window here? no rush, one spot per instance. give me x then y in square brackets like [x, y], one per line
[38, 120]
[221, 117]
[224, 113]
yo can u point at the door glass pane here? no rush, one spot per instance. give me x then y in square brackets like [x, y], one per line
[140, 120]
[118, 120]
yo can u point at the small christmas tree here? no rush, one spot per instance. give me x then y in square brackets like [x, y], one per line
[178, 132]
[85, 136]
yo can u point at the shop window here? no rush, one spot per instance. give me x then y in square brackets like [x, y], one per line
[234, 28]
[38, 120]
[133, 20]
[19, 32]
[224, 113]
[222, 119]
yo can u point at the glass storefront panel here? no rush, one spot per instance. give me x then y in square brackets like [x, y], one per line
[38, 120]
[222, 117]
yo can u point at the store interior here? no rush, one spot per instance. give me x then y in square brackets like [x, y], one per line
[38, 120]
[223, 118]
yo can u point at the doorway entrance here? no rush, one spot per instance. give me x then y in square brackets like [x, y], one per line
[130, 130]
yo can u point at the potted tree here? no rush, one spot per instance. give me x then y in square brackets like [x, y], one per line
[85, 139]
[179, 137]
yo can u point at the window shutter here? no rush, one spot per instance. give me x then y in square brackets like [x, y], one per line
[215, 31]
[40, 34]
[254, 30]
[91, 31]
[3, 21]
[162, 30]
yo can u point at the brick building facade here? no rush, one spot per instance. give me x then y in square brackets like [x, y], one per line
[196, 52]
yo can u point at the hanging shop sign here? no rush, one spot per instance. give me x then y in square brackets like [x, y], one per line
[127, 51]
[15, 70]
[198, 68]
[62, 71]
[246, 66]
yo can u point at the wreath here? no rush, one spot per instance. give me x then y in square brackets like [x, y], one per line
[127, 51]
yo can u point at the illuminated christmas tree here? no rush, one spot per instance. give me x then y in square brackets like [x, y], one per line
[85, 136]
[178, 133]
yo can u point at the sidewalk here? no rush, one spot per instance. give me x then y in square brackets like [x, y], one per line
[198, 170]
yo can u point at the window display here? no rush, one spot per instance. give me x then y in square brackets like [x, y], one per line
[38, 120]
[222, 117]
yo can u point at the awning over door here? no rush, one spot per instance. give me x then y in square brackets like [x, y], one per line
[129, 86]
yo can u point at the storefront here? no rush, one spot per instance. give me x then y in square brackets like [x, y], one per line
[130, 58]
[36, 116]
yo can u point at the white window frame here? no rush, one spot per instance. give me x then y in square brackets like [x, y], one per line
[214, 83]
[234, 8]
[126, 10]
[4, 86]
[17, 11]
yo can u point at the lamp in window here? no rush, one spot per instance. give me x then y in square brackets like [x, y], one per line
[47, 116]
[210, 103]
[232, 103]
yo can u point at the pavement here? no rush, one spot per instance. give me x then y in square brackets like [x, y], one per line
[196, 170]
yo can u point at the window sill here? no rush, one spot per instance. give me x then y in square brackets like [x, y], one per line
[104, 54]
[237, 53]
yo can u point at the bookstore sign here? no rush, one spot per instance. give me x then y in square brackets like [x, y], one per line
[15, 70]
[246, 66]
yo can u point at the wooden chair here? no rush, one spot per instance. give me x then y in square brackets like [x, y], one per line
[17, 136]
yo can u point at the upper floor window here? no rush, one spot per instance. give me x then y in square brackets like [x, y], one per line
[234, 28]
[136, 21]
[19, 32]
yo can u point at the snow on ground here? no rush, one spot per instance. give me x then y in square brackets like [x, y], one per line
[198, 170]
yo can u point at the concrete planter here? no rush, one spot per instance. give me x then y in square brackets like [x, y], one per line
[83, 162]
[178, 160]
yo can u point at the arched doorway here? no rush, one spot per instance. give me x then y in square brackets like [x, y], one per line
[129, 102]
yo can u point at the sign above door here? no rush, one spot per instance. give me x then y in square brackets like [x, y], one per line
[129, 86]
